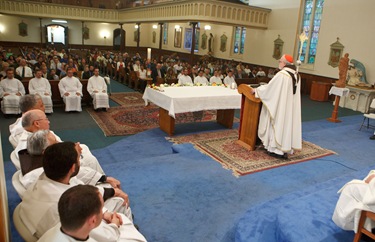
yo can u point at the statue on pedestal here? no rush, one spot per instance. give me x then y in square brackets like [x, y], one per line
[357, 74]
[343, 70]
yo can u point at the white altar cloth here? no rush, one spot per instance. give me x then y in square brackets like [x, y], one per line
[339, 91]
[194, 98]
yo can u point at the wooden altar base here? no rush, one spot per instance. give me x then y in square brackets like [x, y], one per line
[167, 123]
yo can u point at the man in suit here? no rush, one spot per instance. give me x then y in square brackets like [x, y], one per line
[157, 72]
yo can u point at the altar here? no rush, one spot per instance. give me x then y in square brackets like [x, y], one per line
[359, 98]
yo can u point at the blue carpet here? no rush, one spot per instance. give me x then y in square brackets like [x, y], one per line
[179, 194]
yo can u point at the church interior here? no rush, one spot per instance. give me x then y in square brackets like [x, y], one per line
[180, 192]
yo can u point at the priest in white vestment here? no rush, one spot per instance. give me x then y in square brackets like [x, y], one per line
[280, 118]
[184, 79]
[356, 195]
[97, 88]
[27, 102]
[35, 120]
[229, 80]
[11, 90]
[216, 78]
[71, 91]
[38, 209]
[41, 86]
[200, 79]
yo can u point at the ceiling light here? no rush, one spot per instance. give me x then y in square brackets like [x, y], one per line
[59, 21]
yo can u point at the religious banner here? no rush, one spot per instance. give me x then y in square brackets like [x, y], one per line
[223, 43]
[188, 40]
[22, 29]
[277, 48]
[204, 41]
[177, 37]
[153, 37]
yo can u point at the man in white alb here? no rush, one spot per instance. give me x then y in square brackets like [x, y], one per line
[71, 91]
[229, 80]
[216, 78]
[39, 211]
[201, 79]
[185, 79]
[97, 88]
[41, 86]
[11, 90]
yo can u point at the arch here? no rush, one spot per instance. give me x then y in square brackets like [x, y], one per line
[229, 13]
[219, 12]
[213, 10]
[243, 15]
[256, 17]
[224, 13]
[201, 9]
[265, 16]
[207, 11]
[252, 16]
[195, 9]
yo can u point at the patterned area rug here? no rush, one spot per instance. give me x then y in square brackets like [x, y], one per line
[128, 99]
[131, 120]
[222, 147]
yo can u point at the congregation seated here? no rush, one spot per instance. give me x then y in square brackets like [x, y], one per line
[39, 211]
[11, 90]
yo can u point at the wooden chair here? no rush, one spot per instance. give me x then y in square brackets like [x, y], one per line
[361, 230]
[133, 82]
[121, 74]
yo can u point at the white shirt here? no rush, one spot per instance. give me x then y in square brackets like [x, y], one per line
[28, 71]
[142, 74]
[229, 80]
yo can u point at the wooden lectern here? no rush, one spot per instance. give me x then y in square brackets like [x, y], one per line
[250, 111]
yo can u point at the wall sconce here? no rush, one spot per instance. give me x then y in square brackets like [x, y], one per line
[178, 28]
[136, 26]
[207, 27]
[154, 26]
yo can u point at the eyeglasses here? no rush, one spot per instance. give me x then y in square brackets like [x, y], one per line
[42, 119]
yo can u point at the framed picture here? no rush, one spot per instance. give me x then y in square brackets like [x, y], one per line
[277, 48]
[136, 35]
[165, 33]
[177, 37]
[335, 53]
[22, 29]
[86, 32]
[153, 37]
[197, 36]
[188, 38]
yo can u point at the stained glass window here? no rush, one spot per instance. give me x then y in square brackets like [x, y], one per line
[239, 40]
[311, 25]
[165, 33]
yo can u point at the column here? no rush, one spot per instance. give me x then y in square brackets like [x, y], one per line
[161, 37]
[194, 24]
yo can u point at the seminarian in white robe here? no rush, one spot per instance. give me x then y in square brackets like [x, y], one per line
[201, 80]
[216, 79]
[56, 235]
[230, 82]
[11, 90]
[280, 118]
[356, 195]
[184, 79]
[39, 213]
[71, 91]
[97, 88]
[41, 86]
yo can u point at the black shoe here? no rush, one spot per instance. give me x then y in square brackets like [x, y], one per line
[104, 109]
[284, 156]
[372, 137]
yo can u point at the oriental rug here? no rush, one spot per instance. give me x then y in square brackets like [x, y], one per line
[128, 99]
[222, 147]
[131, 120]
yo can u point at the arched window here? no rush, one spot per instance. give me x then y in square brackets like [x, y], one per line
[239, 40]
[310, 24]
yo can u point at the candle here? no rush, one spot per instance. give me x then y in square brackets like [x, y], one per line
[149, 53]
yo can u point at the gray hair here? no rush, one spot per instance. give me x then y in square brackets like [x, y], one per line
[28, 102]
[37, 142]
[28, 118]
